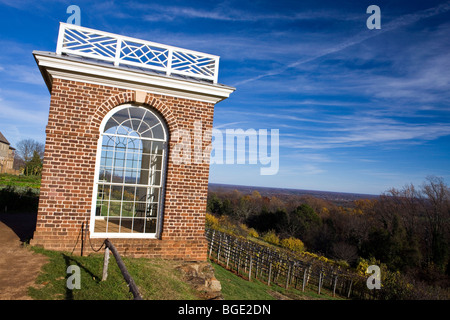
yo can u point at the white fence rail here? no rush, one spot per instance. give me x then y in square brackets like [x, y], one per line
[120, 50]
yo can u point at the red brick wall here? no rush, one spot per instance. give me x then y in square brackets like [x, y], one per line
[76, 112]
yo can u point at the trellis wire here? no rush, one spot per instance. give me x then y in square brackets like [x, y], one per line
[280, 267]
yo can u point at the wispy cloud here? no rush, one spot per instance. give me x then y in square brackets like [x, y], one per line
[374, 135]
[358, 38]
[23, 74]
[226, 12]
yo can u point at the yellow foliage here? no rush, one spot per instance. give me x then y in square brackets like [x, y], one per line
[253, 233]
[293, 244]
[271, 237]
[211, 221]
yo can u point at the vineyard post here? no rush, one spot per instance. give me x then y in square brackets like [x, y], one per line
[350, 288]
[212, 243]
[229, 252]
[334, 285]
[270, 273]
[320, 281]
[304, 279]
[218, 250]
[238, 258]
[257, 266]
[288, 275]
[250, 269]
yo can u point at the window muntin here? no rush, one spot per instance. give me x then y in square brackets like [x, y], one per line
[130, 174]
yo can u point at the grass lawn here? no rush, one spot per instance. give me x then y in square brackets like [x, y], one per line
[33, 182]
[157, 279]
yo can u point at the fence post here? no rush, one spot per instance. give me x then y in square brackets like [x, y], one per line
[350, 288]
[334, 286]
[320, 281]
[250, 269]
[212, 243]
[218, 250]
[229, 251]
[288, 275]
[105, 264]
[270, 273]
[238, 258]
[304, 279]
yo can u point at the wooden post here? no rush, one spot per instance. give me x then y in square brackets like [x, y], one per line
[212, 243]
[350, 288]
[287, 276]
[270, 273]
[82, 238]
[132, 286]
[229, 252]
[320, 281]
[334, 286]
[238, 258]
[304, 279]
[220, 245]
[250, 269]
[105, 264]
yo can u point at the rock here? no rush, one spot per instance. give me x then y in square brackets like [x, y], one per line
[200, 275]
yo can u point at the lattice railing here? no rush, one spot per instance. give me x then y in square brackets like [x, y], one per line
[122, 50]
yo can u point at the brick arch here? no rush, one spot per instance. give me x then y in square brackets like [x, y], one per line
[131, 97]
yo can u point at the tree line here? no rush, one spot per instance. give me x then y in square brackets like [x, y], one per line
[407, 229]
[28, 157]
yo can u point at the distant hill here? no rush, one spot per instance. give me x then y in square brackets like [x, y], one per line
[286, 192]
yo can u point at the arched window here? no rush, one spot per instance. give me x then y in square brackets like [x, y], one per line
[130, 167]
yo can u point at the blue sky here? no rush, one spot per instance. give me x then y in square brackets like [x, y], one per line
[358, 110]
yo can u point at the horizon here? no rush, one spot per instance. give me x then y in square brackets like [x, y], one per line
[358, 110]
[295, 189]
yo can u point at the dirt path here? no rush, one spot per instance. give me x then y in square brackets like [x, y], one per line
[19, 266]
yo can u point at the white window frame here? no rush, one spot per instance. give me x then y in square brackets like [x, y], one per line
[160, 213]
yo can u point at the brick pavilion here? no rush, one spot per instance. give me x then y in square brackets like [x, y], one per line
[118, 163]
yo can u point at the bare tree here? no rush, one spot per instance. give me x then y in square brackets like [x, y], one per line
[345, 251]
[26, 147]
[437, 213]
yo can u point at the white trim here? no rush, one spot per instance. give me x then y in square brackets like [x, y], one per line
[123, 235]
[85, 43]
[131, 39]
[93, 216]
[69, 69]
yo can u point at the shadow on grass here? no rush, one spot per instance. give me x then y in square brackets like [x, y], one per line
[70, 260]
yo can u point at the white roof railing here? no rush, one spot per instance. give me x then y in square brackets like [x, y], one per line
[121, 50]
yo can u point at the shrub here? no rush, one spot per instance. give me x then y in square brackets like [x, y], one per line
[293, 244]
[253, 233]
[271, 237]
[211, 221]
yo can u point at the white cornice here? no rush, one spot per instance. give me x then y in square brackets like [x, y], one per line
[55, 66]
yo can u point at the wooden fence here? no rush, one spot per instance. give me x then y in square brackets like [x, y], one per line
[282, 267]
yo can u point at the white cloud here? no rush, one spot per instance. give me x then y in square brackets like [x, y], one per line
[356, 39]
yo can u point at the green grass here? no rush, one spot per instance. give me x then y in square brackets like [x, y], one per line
[33, 182]
[237, 288]
[156, 279]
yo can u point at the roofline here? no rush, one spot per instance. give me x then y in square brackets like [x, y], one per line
[88, 70]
